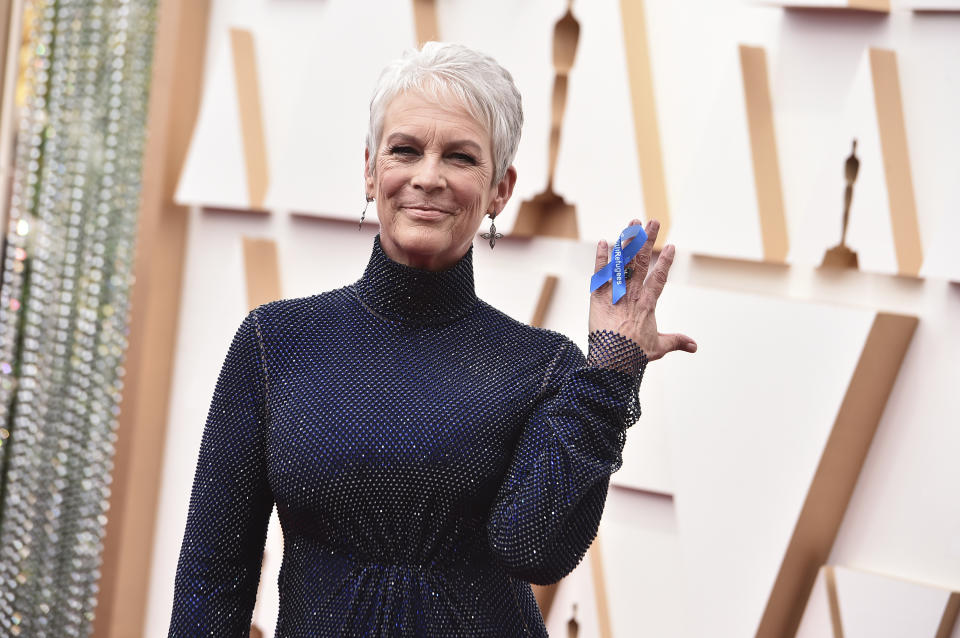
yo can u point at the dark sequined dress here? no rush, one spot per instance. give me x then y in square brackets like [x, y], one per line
[428, 455]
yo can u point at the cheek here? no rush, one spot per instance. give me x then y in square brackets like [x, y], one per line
[474, 192]
[389, 179]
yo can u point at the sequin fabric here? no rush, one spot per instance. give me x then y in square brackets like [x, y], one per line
[429, 458]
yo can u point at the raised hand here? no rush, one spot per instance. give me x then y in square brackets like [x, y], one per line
[634, 315]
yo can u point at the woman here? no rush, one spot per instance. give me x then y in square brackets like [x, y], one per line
[429, 456]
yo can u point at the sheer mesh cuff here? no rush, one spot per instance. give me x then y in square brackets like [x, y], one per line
[618, 363]
[612, 350]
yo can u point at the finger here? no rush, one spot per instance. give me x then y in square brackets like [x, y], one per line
[601, 258]
[658, 279]
[676, 341]
[633, 222]
[642, 260]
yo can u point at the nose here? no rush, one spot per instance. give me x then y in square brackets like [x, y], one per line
[428, 174]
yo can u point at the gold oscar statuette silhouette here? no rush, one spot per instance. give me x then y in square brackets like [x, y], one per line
[840, 256]
[573, 627]
[547, 213]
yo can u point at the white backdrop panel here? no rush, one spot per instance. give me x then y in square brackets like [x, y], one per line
[597, 169]
[315, 88]
[874, 606]
[768, 379]
[717, 211]
[214, 171]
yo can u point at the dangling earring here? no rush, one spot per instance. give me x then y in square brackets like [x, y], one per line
[364, 212]
[493, 235]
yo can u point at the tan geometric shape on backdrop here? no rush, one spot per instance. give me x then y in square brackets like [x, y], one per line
[836, 475]
[543, 302]
[251, 115]
[949, 620]
[262, 271]
[600, 589]
[763, 144]
[833, 601]
[645, 128]
[425, 21]
[870, 5]
[896, 161]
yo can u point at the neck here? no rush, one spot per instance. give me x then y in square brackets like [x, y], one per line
[422, 261]
[404, 293]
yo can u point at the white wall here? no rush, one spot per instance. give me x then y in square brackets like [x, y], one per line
[904, 517]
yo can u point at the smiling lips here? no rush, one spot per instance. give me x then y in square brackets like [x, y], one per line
[425, 211]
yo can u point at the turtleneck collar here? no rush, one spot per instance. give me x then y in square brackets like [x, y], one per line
[413, 295]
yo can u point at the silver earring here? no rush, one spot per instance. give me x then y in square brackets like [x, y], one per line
[493, 235]
[364, 212]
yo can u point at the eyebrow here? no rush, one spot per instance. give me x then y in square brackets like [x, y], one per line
[412, 139]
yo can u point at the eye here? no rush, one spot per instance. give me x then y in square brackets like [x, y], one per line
[464, 157]
[403, 150]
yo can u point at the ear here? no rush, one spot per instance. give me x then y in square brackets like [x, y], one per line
[504, 189]
[368, 172]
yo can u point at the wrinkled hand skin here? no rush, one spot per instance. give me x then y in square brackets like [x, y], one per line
[634, 316]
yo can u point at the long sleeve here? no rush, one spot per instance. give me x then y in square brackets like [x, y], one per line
[548, 509]
[230, 503]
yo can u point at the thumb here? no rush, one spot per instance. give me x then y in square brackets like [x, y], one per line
[677, 341]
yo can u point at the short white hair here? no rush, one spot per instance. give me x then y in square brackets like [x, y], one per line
[443, 70]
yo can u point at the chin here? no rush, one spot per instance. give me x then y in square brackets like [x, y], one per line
[422, 239]
[423, 243]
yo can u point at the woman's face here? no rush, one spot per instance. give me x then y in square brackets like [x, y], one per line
[432, 180]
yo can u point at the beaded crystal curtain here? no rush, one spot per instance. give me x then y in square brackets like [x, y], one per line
[67, 273]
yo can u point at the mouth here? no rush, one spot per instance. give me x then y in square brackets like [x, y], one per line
[425, 212]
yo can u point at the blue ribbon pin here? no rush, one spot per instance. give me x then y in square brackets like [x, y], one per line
[613, 271]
